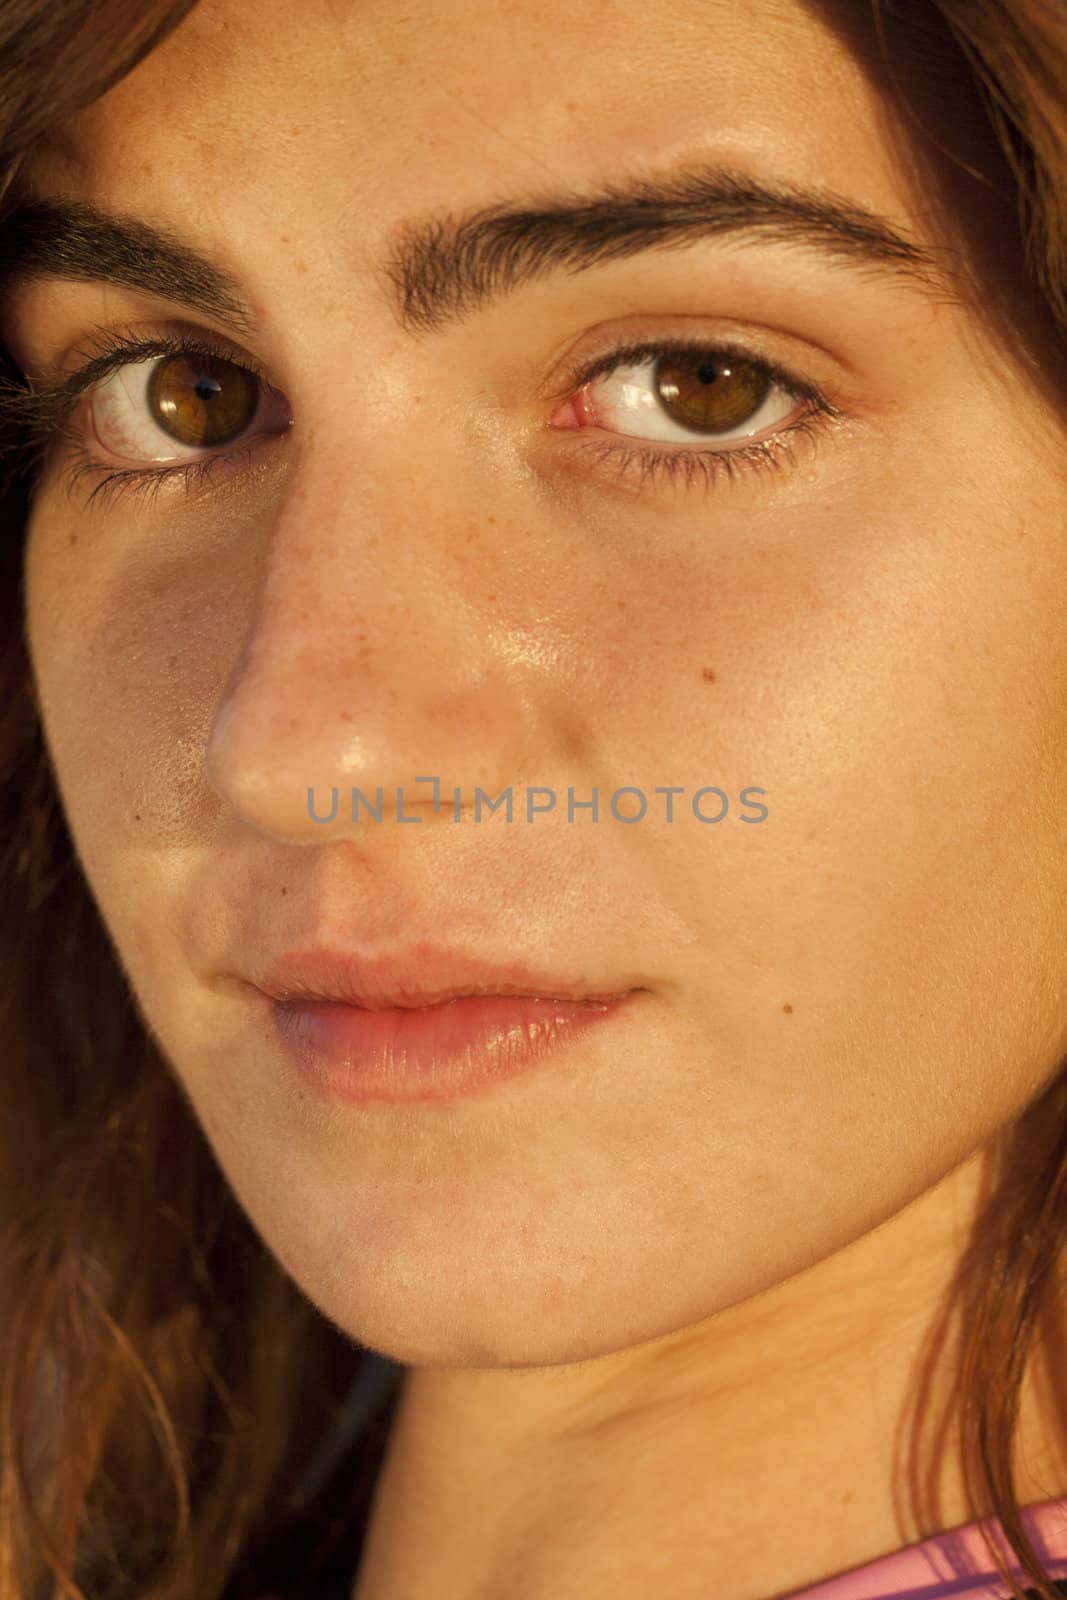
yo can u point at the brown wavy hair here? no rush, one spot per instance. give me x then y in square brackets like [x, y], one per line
[163, 1383]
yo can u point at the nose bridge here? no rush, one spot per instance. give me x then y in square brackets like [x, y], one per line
[370, 661]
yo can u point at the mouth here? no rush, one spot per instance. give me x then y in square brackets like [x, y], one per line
[425, 1024]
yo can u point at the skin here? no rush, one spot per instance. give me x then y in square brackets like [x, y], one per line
[665, 1299]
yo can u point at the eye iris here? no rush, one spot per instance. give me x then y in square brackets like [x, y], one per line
[202, 400]
[715, 393]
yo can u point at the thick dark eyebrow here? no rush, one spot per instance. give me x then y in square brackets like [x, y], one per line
[442, 268]
[76, 240]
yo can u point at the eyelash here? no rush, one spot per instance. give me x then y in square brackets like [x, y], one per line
[39, 418]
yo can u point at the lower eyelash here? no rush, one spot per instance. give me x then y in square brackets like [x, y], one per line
[691, 467]
[707, 467]
[144, 482]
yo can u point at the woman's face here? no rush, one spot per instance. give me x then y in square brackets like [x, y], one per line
[431, 545]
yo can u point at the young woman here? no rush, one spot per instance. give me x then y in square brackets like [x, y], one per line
[534, 743]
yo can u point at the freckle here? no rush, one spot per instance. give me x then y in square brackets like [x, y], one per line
[301, 266]
[788, 1009]
[137, 816]
[492, 521]
[709, 674]
[74, 538]
[346, 716]
[620, 605]
[284, 889]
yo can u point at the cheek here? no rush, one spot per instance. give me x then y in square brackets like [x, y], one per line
[130, 643]
[896, 681]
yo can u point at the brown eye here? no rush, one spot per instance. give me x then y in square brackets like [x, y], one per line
[710, 393]
[201, 400]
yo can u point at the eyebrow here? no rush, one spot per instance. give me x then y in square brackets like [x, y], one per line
[444, 267]
[78, 241]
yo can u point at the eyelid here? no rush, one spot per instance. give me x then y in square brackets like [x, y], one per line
[95, 349]
[777, 344]
[104, 350]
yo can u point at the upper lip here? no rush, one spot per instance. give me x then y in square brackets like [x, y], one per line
[412, 976]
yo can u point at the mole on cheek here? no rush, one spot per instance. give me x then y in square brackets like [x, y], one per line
[788, 1009]
[708, 674]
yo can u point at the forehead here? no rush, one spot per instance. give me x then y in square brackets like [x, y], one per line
[370, 109]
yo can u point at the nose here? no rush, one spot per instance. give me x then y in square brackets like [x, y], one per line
[375, 677]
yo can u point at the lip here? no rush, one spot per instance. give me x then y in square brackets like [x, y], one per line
[424, 1023]
[422, 974]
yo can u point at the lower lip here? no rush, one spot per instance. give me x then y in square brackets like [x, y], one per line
[458, 1049]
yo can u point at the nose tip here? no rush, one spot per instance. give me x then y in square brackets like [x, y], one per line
[303, 755]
